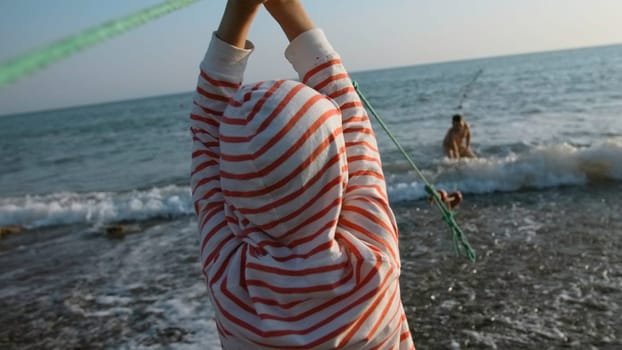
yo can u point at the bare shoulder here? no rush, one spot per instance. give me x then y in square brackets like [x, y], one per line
[449, 133]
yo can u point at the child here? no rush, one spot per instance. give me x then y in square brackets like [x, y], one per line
[299, 246]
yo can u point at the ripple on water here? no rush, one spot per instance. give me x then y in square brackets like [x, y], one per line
[547, 274]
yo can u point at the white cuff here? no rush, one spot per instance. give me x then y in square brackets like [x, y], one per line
[225, 59]
[309, 50]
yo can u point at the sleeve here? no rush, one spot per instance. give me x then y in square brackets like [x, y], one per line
[221, 73]
[366, 212]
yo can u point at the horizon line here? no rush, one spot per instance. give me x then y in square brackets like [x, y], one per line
[371, 70]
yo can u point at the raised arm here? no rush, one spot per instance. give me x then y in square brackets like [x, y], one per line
[365, 211]
[221, 73]
[237, 20]
[291, 16]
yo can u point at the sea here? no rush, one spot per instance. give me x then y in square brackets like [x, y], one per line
[101, 248]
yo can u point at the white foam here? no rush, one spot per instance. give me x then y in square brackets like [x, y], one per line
[95, 208]
[186, 308]
[540, 167]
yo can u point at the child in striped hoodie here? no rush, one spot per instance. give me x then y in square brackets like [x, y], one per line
[299, 246]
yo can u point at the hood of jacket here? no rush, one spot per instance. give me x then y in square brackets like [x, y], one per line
[283, 165]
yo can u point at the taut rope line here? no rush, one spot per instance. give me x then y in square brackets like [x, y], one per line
[461, 244]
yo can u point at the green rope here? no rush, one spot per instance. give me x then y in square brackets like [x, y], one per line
[460, 242]
[21, 66]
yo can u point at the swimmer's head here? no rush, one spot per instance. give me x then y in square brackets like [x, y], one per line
[457, 119]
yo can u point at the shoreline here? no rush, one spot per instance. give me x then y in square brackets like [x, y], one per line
[547, 275]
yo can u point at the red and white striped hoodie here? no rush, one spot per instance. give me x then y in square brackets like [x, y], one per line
[298, 243]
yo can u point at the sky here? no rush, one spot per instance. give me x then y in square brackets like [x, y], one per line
[162, 57]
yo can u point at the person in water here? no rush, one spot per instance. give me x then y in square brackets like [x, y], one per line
[457, 142]
[298, 243]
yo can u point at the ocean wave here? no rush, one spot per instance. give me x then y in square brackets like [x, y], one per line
[95, 208]
[536, 168]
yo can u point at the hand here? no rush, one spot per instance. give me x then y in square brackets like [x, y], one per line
[291, 16]
[451, 200]
[275, 3]
[250, 3]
